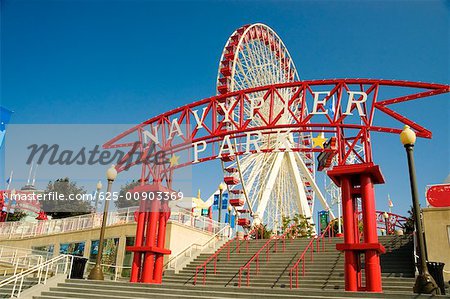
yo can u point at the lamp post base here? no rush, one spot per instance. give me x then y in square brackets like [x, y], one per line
[96, 273]
[425, 284]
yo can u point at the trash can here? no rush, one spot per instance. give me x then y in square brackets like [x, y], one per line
[437, 271]
[78, 265]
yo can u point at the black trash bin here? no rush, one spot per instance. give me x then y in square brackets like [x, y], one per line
[78, 265]
[437, 271]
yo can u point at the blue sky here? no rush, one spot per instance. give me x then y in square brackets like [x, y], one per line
[106, 62]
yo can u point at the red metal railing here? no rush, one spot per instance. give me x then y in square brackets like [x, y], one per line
[310, 247]
[255, 257]
[215, 256]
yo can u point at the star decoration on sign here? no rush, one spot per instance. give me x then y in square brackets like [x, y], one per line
[174, 160]
[319, 140]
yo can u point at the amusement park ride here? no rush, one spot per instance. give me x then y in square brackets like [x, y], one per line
[260, 125]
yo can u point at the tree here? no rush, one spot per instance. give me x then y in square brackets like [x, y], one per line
[122, 201]
[64, 198]
[299, 225]
[409, 224]
[335, 225]
[261, 232]
[16, 216]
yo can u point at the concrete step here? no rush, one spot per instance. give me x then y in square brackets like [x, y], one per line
[258, 281]
[92, 289]
[283, 265]
[280, 258]
[309, 276]
[320, 271]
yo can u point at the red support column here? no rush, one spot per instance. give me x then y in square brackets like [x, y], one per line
[356, 181]
[159, 260]
[135, 267]
[151, 229]
[150, 239]
[372, 262]
[351, 263]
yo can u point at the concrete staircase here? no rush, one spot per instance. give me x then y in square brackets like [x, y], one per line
[324, 272]
[324, 277]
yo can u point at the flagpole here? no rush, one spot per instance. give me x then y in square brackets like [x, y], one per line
[8, 208]
[29, 174]
[34, 176]
[9, 180]
[10, 195]
[390, 204]
[339, 216]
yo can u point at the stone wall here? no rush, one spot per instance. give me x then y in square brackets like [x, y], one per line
[178, 237]
[437, 233]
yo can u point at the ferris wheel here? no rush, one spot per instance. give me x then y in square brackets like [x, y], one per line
[267, 186]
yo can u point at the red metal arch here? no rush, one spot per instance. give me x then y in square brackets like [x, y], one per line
[349, 126]
[349, 130]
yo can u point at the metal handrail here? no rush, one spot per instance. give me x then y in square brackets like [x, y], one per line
[196, 245]
[20, 230]
[187, 218]
[215, 256]
[255, 257]
[22, 262]
[42, 270]
[21, 249]
[310, 247]
[18, 257]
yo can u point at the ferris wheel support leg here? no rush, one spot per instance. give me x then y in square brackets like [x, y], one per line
[313, 184]
[275, 169]
[300, 190]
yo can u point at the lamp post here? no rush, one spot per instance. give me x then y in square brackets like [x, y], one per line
[99, 187]
[425, 283]
[97, 272]
[386, 222]
[257, 224]
[339, 217]
[222, 187]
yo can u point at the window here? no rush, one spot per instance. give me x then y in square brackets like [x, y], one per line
[448, 234]
[72, 248]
